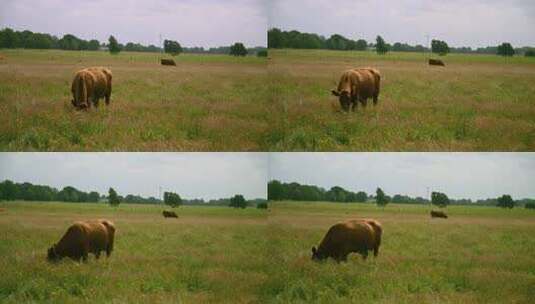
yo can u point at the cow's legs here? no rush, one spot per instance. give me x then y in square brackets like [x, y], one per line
[107, 99]
[375, 99]
[354, 106]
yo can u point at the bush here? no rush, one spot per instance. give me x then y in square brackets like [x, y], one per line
[238, 49]
[262, 53]
[530, 206]
[530, 53]
[238, 201]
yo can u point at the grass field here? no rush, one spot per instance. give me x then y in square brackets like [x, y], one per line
[207, 255]
[206, 103]
[475, 103]
[223, 255]
[478, 255]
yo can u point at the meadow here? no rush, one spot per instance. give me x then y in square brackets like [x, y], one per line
[224, 255]
[207, 255]
[205, 103]
[478, 255]
[475, 103]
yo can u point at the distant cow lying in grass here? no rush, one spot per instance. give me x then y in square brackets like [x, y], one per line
[89, 85]
[168, 62]
[169, 214]
[436, 62]
[358, 236]
[356, 86]
[438, 214]
[83, 238]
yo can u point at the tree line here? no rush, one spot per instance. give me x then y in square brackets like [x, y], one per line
[279, 39]
[11, 191]
[293, 191]
[11, 39]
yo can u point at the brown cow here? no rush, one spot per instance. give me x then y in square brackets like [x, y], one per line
[169, 214]
[438, 214]
[89, 85]
[344, 238]
[357, 85]
[378, 230]
[167, 62]
[83, 238]
[436, 62]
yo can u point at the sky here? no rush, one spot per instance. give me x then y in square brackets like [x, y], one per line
[475, 23]
[207, 23]
[459, 175]
[192, 175]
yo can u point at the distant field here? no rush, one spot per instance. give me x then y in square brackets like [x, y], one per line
[478, 255]
[207, 255]
[475, 103]
[206, 103]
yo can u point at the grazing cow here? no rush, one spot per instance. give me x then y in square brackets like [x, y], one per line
[438, 214]
[167, 62]
[436, 62]
[83, 238]
[89, 85]
[344, 238]
[169, 214]
[357, 85]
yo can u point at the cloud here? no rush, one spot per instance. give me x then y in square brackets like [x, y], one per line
[192, 175]
[193, 23]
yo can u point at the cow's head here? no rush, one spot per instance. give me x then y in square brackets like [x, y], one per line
[78, 106]
[316, 256]
[344, 97]
[52, 255]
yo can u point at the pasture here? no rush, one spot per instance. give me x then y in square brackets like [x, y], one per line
[207, 255]
[478, 255]
[475, 103]
[205, 103]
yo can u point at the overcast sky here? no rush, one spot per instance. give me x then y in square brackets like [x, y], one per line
[192, 175]
[459, 22]
[459, 175]
[205, 23]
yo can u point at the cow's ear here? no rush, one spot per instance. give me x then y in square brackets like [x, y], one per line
[335, 93]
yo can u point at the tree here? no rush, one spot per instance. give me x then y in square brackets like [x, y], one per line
[505, 49]
[506, 201]
[380, 198]
[238, 49]
[114, 46]
[361, 45]
[238, 201]
[172, 199]
[361, 197]
[93, 197]
[275, 191]
[113, 198]
[381, 47]
[172, 47]
[439, 199]
[439, 47]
